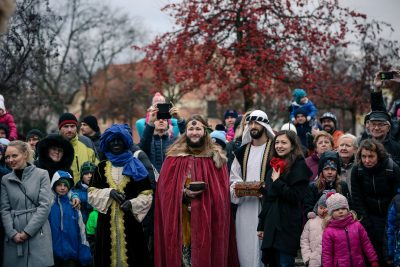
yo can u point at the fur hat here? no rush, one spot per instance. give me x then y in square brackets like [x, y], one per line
[92, 122]
[298, 94]
[67, 118]
[336, 201]
[219, 137]
[230, 113]
[2, 106]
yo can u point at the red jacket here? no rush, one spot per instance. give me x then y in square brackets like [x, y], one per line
[8, 119]
[344, 243]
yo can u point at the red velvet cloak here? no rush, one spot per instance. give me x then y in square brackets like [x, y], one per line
[210, 215]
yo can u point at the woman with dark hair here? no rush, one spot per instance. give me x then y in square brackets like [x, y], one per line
[374, 182]
[280, 224]
[55, 153]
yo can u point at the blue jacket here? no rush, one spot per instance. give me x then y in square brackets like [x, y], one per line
[68, 232]
[309, 107]
[155, 146]
[82, 193]
[393, 228]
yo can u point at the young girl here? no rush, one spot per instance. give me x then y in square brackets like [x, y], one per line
[311, 238]
[345, 241]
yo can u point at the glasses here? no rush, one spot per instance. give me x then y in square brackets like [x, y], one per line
[378, 125]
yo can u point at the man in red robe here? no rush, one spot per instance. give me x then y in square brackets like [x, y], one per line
[193, 228]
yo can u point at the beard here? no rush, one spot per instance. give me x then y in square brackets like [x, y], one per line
[197, 144]
[256, 134]
[329, 129]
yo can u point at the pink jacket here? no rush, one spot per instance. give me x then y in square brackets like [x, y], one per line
[311, 242]
[8, 119]
[344, 243]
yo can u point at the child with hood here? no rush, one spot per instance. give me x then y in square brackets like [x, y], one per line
[7, 119]
[311, 238]
[81, 188]
[345, 241]
[70, 246]
[301, 101]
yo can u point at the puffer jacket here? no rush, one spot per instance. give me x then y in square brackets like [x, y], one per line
[344, 242]
[84, 151]
[311, 242]
[8, 119]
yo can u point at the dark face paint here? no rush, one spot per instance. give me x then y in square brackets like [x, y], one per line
[117, 146]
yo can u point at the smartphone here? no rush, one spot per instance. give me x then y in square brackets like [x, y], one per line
[386, 75]
[197, 186]
[163, 111]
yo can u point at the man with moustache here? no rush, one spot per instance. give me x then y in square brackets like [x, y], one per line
[251, 163]
[192, 227]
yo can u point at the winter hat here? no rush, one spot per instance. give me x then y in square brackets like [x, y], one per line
[6, 129]
[2, 106]
[219, 137]
[4, 141]
[87, 167]
[298, 94]
[289, 127]
[322, 200]
[302, 111]
[336, 201]
[62, 177]
[328, 115]
[92, 122]
[158, 98]
[34, 132]
[67, 118]
[331, 159]
[230, 113]
[379, 116]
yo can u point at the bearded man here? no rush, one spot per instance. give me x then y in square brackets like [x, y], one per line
[251, 164]
[192, 227]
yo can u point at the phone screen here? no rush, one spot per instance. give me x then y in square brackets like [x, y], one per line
[163, 111]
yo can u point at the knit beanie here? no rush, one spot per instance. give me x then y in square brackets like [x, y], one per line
[336, 201]
[67, 118]
[92, 122]
[219, 137]
[87, 167]
[298, 94]
[2, 106]
[230, 113]
[158, 98]
[331, 159]
[301, 110]
[34, 132]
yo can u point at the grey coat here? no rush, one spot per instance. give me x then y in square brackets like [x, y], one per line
[27, 212]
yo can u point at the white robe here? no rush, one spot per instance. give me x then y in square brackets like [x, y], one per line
[248, 243]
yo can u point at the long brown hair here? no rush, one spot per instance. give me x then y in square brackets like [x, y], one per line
[295, 151]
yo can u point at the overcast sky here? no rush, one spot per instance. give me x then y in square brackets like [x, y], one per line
[156, 22]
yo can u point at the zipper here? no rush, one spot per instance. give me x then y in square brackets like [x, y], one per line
[348, 244]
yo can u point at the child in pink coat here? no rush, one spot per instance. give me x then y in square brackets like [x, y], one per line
[345, 241]
[8, 120]
[311, 238]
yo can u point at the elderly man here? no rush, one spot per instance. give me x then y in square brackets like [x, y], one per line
[250, 164]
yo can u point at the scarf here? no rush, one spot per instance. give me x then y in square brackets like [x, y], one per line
[278, 164]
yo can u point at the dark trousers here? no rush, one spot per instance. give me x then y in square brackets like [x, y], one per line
[275, 258]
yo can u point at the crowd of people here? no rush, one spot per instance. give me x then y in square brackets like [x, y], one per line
[242, 194]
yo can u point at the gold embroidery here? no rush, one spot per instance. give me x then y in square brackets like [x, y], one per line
[264, 162]
[118, 244]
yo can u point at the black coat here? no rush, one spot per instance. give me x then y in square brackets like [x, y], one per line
[281, 214]
[312, 195]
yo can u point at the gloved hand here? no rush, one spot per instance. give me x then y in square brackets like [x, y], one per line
[126, 206]
[311, 215]
[117, 196]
